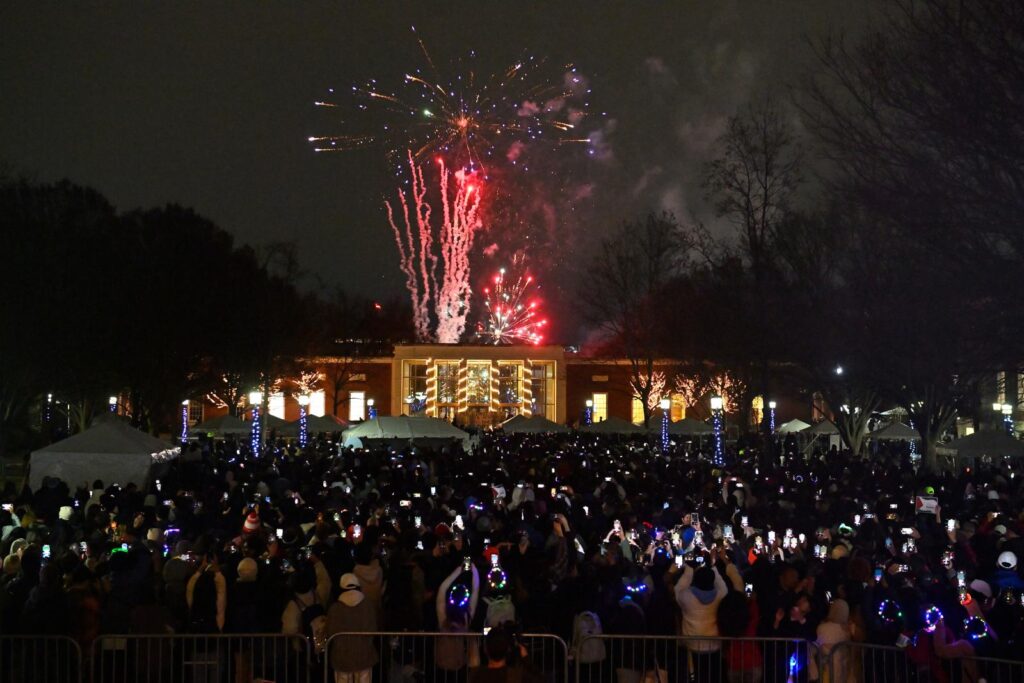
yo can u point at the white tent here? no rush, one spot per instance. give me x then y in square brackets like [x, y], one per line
[219, 427]
[533, 425]
[823, 427]
[895, 431]
[315, 424]
[685, 427]
[111, 451]
[613, 425]
[993, 444]
[403, 428]
[792, 427]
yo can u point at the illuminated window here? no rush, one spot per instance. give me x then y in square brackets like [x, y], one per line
[637, 411]
[678, 408]
[356, 406]
[317, 403]
[447, 389]
[414, 387]
[600, 407]
[275, 405]
[542, 389]
[478, 383]
[195, 412]
[510, 388]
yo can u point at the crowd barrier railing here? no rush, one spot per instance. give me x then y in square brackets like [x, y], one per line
[852, 662]
[39, 659]
[405, 656]
[200, 658]
[664, 659]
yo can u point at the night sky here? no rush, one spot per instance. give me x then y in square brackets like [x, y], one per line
[209, 104]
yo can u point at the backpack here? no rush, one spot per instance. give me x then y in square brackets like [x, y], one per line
[314, 625]
[586, 648]
[499, 611]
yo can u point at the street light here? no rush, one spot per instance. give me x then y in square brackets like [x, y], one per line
[255, 440]
[184, 422]
[717, 424]
[1008, 418]
[666, 405]
[112, 402]
[839, 369]
[771, 417]
[303, 421]
[371, 409]
[588, 414]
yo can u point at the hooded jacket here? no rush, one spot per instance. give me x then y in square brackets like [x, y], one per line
[700, 607]
[352, 613]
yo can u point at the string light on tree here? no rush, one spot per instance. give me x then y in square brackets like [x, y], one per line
[256, 438]
[588, 414]
[666, 405]
[112, 402]
[303, 420]
[184, 421]
[371, 409]
[717, 425]
[771, 416]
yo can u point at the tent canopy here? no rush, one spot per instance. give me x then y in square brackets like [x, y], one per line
[823, 427]
[613, 425]
[685, 427]
[111, 451]
[533, 425]
[792, 427]
[225, 425]
[995, 444]
[895, 431]
[404, 428]
[315, 424]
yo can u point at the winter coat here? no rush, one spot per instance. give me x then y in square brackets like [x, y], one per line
[700, 616]
[350, 614]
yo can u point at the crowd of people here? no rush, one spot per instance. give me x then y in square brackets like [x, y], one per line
[570, 535]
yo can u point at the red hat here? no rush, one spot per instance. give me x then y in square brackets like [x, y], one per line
[252, 524]
[442, 530]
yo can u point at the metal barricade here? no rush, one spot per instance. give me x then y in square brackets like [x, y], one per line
[405, 656]
[664, 659]
[40, 659]
[852, 662]
[201, 658]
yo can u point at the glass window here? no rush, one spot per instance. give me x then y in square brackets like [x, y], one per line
[356, 406]
[678, 407]
[414, 387]
[318, 403]
[447, 383]
[478, 383]
[600, 407]
[542, 390]
[195, 412]
[637, 411]
[510, 388]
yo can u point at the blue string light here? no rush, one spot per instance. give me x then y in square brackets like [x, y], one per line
[184, 423]
[716, 424]
[664, 431]
[303, 427]
[254, 442]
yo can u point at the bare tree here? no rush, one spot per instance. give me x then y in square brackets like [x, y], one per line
[625, 293]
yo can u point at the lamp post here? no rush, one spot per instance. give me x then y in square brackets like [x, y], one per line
[1008, 418]
[303, 421]
[255, 440]
[717, 406]
[771, 417]
[371, 409]
[184, 422]
[666, 406]
[112, 402]
[588, 414]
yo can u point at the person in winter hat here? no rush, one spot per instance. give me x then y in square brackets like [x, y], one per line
[352, 657]
[1006, 572]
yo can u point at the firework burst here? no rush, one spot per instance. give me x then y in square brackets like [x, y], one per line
[470, 118]
[512, 315]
